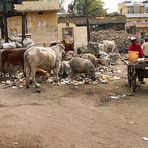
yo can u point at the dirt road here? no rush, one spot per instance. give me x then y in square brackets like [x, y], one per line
[74, 117]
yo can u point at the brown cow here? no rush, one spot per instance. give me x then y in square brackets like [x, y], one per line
[41, 73]
[68, 44]
[12, 57]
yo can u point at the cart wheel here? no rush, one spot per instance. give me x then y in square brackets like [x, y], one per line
[129, 76]
[133, 82]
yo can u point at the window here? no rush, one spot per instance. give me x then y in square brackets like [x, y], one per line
[146, 9]
[130, 10]
[136, 8]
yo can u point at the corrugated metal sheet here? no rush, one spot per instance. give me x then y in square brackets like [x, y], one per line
[30, 6]
[95, 20]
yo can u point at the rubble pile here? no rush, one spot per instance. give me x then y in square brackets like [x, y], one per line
[121, 38]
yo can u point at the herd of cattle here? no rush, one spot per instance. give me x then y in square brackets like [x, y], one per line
[35, 60]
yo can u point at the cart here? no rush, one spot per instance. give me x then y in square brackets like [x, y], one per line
[136, 70]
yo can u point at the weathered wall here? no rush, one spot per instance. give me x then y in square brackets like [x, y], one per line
[80, 34]
[42, 27]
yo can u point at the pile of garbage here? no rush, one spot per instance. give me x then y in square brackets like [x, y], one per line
[17, 43]
[121, 38]
[16, 82]
[104, 75]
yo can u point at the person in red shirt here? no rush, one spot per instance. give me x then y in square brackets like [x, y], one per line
[135, 46]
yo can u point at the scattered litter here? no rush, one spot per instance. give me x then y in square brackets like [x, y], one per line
[15, 143]
[116, 78]
[50, 80]
[94, 83]
[21, 86]
[8, 82]
[104, 82]
[63, 83]
[3, 82]
[14, 87]
[104, 75]
[145, 138]
[115, 97]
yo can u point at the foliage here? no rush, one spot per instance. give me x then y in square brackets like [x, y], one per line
[95, 8]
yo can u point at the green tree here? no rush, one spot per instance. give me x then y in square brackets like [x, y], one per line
[61, 9]
[95, 8]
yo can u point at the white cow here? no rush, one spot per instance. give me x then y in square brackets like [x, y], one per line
[110, 45]
[102, 47]
[43, 57]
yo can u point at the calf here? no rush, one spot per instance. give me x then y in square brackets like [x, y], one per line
[40, 73]
[111, 46]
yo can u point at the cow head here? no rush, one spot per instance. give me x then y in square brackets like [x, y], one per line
[61, 49]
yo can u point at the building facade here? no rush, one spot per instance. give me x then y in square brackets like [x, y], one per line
[41, 20]
[136, 14]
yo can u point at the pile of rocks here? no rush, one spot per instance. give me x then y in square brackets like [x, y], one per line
[121, 38]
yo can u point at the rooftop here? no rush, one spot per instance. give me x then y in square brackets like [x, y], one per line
[81, 21]
[28, 6]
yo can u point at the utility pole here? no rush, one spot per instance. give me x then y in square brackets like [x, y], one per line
[23, 26]
[5, 4]
[87, 21]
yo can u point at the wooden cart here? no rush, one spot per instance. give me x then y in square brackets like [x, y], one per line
[136, 70]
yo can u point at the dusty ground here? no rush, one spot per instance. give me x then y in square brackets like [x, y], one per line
[74, 117]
